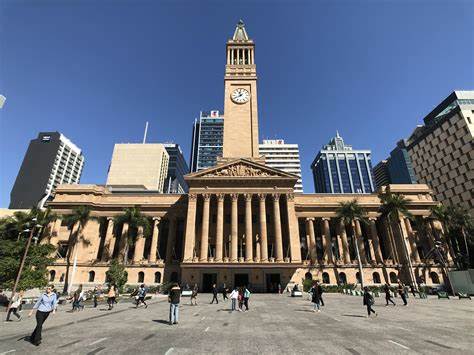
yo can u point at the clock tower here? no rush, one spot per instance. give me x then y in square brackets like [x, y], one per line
[240, 101]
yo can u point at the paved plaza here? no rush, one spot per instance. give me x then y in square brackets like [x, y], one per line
[274, 324]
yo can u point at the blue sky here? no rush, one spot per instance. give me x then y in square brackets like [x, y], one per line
[97, 70]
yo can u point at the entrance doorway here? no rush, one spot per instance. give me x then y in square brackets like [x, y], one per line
[207, 281]
[273, 280]
[241, 280]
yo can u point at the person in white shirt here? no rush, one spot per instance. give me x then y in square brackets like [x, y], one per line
[234, 296]
[17, 298]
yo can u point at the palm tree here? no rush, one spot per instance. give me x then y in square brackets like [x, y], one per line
[393, 207]
[348, 213]
[133, 218]
[78, 218]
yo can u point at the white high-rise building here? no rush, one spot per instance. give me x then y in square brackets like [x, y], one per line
[283, 156]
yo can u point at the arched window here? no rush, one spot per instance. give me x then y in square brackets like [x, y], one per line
[91, 276]
[358, 277]
[52, 275]
[393, 278]
[342, 278]
[376, 277]
[325, 278]
[434, 277]
[157, 277]
[308, 276]
[141, 277]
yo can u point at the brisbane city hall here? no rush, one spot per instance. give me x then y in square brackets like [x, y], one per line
[241, 223]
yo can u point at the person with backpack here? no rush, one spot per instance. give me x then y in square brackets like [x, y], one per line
[388, 296]
[141, 294]
[246, 298]
[368, 301]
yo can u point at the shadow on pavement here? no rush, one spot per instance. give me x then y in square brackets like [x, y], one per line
[162, 321]
[354, 315]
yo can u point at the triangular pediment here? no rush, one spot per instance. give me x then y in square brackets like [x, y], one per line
[241, 169]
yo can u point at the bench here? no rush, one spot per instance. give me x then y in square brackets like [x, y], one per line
[442, 294]
[462, 295]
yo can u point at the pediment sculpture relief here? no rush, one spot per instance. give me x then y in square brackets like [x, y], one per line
[240, 170]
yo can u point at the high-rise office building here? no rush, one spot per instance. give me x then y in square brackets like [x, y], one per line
[441, 150]
[207, 143]
[338, 168]
[177, 168]
[396, 169]
[283, 156]
[51, 159]
[139, 165]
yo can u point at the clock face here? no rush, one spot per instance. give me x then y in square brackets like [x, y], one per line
[240, 96]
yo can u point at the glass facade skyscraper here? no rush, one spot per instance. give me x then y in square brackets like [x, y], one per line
[339, 169]
[177, 168]
[208, 137]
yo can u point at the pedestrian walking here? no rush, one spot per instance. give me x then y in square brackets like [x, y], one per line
[44, 306]
[368, 302]
[112, 296]
[141, 294]
[241, 299]
[320, 292]
[174, 298]
[194, 295]
[315, 297]
[214, 294]
[279, 289]
[412, 289]
[388, 296]
[16, 303]
[97, 293]
[246, 298]
[402, 293]
[234, 296]
[224, 292]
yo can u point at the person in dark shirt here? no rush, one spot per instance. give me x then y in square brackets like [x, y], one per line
[320, 292]
[368, 301]
[214, 294]
[174, 298]
[388, 296]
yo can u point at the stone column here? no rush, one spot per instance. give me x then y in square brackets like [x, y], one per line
[345, 243]
[234, 227]
[277, 226]
[360, 242]
[109, 240]
[154, 240]
[327, 242]
[371, 249]
[171, 239]
[190, 228]
[123, 241]
[205, 228]
[295, 246]
[376, 241]
[220, 227]
[311, 238]
[411, 239]
[263, 227]
[139, 246]
[248, 228]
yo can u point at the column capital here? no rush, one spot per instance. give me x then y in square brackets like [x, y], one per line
[325, 218]
[206, 196]
[290, 197]
[262, 197]
[192, 197]
[234, 196]
[276, 196]
[310, 219]
[220, 197]
[248, 197]
[110, 219]
[373, 219]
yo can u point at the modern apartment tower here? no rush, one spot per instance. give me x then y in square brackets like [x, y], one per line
[338, 168]
[441, 150]
[396, 169]
[208, 138]
[381, 174]
[283, 156]
[51, 159]
[139, 166]
[177, 168]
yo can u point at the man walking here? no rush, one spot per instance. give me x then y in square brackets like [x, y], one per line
[173, 298]
[224, 292]
[368, 301]
[16, 303]
[141, 295]
[234, 296]
[214, 293]
[320, 292]
[315, 297]
[246, 298]
[402, 293]
[45, 305]
[388, 296]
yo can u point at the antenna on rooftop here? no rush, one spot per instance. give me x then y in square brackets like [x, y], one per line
[146, 130]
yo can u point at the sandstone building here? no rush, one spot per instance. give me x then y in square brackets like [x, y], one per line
[241, 221]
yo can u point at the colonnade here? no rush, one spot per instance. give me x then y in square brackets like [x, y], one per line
[256, 249]
[239, 56]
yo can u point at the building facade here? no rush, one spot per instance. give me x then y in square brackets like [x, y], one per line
[442, 153]
[338, 168]
[207, 142]
[283, 156]
[51, 160]
[139, 165]
[177, 168]
[242, 224]
[381, 174]
[397, 169]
